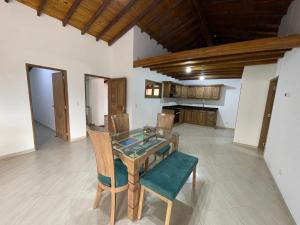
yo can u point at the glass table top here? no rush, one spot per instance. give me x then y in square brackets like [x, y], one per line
[135, 143]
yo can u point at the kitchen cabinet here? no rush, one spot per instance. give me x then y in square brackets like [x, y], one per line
[191, 92]
[199, 92]
[211, 118]
[215, 93]
[177, 90]
[166, 89]
[187, 116]
[184, 92]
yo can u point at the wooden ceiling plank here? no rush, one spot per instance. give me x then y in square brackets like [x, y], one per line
[160, 17]
[41, 7]
[70, 12]
[99, 11]
[261, 45]
[213, 77]
[134, 21]
[123, 12]
[202, 22]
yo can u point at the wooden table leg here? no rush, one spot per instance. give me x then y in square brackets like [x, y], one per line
[133, 192]
[175, 141]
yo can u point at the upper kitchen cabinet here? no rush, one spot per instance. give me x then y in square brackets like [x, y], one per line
[209, 92]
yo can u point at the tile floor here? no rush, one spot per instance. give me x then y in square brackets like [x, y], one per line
[56, 186]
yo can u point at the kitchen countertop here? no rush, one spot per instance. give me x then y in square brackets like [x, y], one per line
[179, 107]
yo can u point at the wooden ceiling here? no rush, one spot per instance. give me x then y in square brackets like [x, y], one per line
[220, 62]
[176, 24]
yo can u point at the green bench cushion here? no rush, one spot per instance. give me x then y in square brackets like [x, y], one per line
[120, 174]
[168, 177]
[163, 150]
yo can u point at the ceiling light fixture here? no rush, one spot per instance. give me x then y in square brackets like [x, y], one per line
[188, 69]
[202, 78]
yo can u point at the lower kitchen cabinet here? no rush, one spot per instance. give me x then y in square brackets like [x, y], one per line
[200, 117]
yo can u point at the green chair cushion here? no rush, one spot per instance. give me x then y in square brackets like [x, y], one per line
[163, 150]
[168, 177]
[120, 174]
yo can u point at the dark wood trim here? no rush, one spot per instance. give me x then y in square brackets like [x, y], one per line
[99, 11]
[116, 19]
[96, 76]
[41, 7]
[134, 22]
[28, 68]
[71, 12]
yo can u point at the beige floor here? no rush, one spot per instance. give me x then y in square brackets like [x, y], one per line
[56, 186]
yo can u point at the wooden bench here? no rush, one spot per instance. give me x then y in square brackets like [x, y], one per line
[167, 178]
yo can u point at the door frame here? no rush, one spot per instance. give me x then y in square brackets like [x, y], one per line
[28, 69]
[261, 145]
[86, 75]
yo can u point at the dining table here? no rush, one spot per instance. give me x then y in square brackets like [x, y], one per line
[134, 149]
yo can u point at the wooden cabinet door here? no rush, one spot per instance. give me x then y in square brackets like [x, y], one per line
[166, 89]
[211, 118]
[199, 92]
[207, 93]
[215, 93]
[187, 116]
[178, 90]
[195, 116]
[191, 92]
[184, 92]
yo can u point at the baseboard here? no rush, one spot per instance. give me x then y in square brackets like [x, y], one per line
[245, 145]
[16, 154]
[78, 139]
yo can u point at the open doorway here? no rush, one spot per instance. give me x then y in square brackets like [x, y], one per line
[268, 114]
[96, 101]
[48, 94]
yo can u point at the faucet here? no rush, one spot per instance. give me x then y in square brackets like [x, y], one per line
[203, 103]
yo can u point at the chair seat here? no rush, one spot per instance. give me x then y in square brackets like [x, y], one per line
[168, 177]
[163, 150]
[120, 174]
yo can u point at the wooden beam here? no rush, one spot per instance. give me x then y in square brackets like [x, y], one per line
[134, 22]
[269, 54]
[212, 77]
[99, 11]
[218, 66]
[70, 12]
[123, 12]
[208, 72]
[261, 45]
[41, 7]
[241, 61]
[202, 21]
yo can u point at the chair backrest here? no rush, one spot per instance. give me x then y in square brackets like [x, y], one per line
[102, 147]
[120, 122]
[165, 121]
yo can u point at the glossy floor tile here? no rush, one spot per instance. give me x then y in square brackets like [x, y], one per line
[56, 185]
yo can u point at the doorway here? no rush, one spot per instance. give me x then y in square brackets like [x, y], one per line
[268, 114]
[96, 101]
[48, 96]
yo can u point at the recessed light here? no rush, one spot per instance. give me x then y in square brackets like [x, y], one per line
[202, 78]
[188, 69]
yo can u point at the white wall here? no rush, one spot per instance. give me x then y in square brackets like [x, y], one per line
[144, 46]
[42, 96]
[254, 91]
[282, 150]
[42, 41]
[228, 103]
[98, 100]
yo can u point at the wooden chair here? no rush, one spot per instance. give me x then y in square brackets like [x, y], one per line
[112, 173]
[167, 178]
[164, 123]
[120, 122]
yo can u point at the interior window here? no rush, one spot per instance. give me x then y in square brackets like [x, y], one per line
[152, 89]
